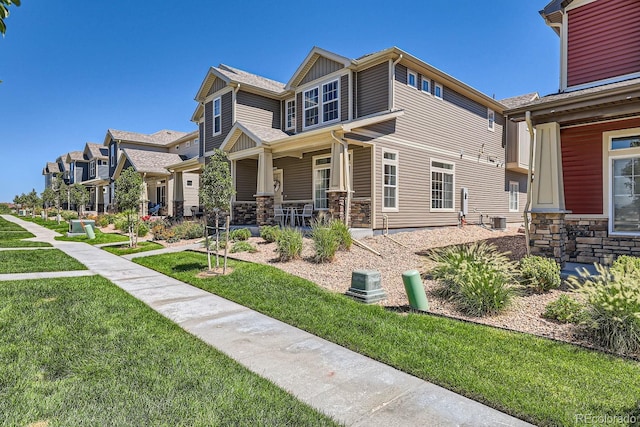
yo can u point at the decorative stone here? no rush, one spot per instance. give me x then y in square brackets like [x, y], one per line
[366, 287]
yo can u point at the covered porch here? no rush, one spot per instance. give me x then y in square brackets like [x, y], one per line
[98, 195]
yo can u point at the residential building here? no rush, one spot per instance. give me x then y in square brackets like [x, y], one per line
[167, 160]
[97, 180]
[585, 205]
[385, 141]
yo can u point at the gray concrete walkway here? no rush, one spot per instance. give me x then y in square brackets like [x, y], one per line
[351, 388]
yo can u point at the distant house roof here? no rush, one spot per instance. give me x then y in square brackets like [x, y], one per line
[51, 167]
[516, 101]
[162, 137]
[97, 151]
[151, 162]
[240, 76]
[75, 156]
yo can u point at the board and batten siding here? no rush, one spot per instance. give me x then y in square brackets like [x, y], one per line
[372, 90]
[582, 164]
[226, 112]
[257, 110]
[322, 67]
[246, 176]
[603, 41]
[218, 84]
[451, 130]
[243, 143]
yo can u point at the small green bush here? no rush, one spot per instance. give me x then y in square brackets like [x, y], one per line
[240, 234]
[564, 310]
[102, 221]
[540, 274]
[142, 227]
[188, 230]
[341, 231]
[243, 246]
[477, 277]
[613, 305]
[69, 215]
[325, 243]
[626, 264]
[121, 222]
[289, 244]
[269, 233]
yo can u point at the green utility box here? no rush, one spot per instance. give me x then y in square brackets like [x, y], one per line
[366, 287]
[77, 226]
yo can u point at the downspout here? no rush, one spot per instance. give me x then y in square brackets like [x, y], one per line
[235, 97]
[347, 181]
[530, 178]
[392, 83]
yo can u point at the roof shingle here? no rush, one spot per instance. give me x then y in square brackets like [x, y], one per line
[151, 161]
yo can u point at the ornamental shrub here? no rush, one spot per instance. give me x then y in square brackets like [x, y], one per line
[188, 230]
[289, 244]
[539, 274]
[477, 277]
[342, 234]
[613, 305]
[243, 246]
[240, 234]
[269, 233]
[565, 310]
[325, 243]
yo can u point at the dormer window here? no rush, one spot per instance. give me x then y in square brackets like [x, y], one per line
[412, 79]
[217, 116]
[291, 114]
[426, 85]
[437, 91]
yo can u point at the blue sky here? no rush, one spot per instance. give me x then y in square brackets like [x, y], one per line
[72, 70]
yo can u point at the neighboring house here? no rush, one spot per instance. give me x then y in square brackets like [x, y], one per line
[50, 171]
[97, 180]
[167, 161]
[78, 167]
[586, 191]
[385, 140]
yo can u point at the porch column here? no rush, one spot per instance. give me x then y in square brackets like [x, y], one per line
[145, 197]
[264, 194]
[178, 195]
[548, 230]
[337, 193]
[96, 206]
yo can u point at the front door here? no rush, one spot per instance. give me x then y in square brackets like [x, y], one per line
[277, 186]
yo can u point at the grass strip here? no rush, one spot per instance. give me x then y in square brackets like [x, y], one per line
[80, 351]
[540, 380]
[125, 250]
[31, 261]
[6, 225]
[15, 235]
[23, 244]
[63, 228]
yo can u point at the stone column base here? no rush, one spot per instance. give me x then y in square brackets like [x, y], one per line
[337, 203]
[264, 210]
[548, 236]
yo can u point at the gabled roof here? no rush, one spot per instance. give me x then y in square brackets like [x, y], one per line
[75, 156]
[235, 76]
[516, 101]
[51, 167]
[149, 161]
[93, 150]
[161, 138]
[311, 59]
[257, 133]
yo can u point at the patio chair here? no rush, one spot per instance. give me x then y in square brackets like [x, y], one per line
[154, 210]
[279, 215]
[307, 213]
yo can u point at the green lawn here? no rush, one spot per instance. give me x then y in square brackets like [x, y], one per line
[80, 352]
[11, 235]
[9, 226]
[125, 250]
[542, 381]
[63, 228]
[22, 244]
[15, 235]
[21, 261]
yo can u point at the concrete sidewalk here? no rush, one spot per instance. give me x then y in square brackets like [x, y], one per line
[351, 388]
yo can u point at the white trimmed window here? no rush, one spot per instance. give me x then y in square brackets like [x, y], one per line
[437, 90]
[330, 104]
[217, 116]
[442, 185]
[514, 196]
[291, 114]
[311, 115]
[389, 180]
[92, 168]
[426, 85]
[321, 178]
[412, 78]
[189, 183]
[624, 185]
[491, 119]
[113, 154]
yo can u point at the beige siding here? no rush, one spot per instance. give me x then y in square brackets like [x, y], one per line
[258, 110]
[190, 151]
[297, 176]
[373, 90]
[321, 68]
[453, 129]
[243, 143]
[217, 85]
[191, 197]
[246, 179]
[155, 148]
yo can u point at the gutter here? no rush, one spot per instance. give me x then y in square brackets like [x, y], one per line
[392, 92]
[347, 204]
[530, 177]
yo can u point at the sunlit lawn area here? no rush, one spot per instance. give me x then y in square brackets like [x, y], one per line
[63, 228]
[80, 352]
[141, 247]
[29, 261]
[540, 380]
[11, 236]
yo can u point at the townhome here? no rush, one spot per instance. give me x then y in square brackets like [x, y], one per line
[167, 160]
[97, 180]
[384, 141]
[585, 199]
[50, 172]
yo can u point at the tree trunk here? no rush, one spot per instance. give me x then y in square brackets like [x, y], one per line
[226, 246]
[217, 241]
[206, 239]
